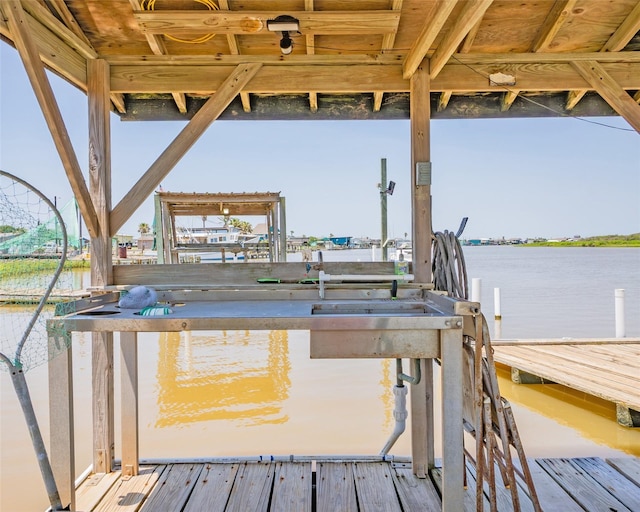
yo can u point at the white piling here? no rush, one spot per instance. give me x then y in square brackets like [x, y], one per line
[373, 254]
[619, 299]
[497, 329]
[496, 304]
[476, 286]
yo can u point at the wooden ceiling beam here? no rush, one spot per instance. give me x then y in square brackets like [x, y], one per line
[552, 24]
[234, 49]
[606, 86]
[209, 112]
[472, 12]
[458, 78]
[156, 43]
[53, 51]
[30, 55]
[68, 31]
[310, 41]
[618, 40]
[390, 59]
[625, 32]
[387, 44]
[428, 34]
[184, 23]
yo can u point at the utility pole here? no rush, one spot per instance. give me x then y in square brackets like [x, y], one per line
[383, 207]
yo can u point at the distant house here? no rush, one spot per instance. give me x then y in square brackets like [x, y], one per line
[341, 241]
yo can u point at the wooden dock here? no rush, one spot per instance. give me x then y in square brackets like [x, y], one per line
[608, 369]
[564, 485]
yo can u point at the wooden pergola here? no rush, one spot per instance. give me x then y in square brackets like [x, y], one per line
[350, 59]
[359, 59]
[169, 205]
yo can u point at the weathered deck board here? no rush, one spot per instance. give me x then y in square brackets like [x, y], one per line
[562, 485]
[251, 488]
[609, 371]
[335, 487]
[552, 497]
[213, 488]
[93, 489]
[292, 487]
[415, 493]
[584, 489]
[629, 467]
[375, 488]
[174, 488]
[128, 495]
[625, 490]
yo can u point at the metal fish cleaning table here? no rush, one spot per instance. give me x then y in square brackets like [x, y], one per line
[355, 323]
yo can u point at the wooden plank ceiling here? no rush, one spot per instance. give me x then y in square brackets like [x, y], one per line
[351, 59]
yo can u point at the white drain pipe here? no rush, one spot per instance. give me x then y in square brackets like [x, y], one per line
[400, 414]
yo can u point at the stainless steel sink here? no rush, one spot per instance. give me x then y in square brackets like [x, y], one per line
[385, 307]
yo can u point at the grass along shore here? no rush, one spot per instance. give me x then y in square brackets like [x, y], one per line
[632, 240]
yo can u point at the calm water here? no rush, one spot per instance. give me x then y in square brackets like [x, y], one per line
[249, 393]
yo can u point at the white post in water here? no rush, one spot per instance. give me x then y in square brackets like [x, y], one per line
[476, 285]
[373, 253]
[496, 304]
[620, 330]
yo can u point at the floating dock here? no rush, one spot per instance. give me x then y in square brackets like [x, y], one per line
[565, 485]
[605, 368]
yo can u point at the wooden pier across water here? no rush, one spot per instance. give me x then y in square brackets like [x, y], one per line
[565, 485]
[605, 368]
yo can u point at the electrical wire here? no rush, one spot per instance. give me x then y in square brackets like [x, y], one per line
[150, 5]
[525, 98]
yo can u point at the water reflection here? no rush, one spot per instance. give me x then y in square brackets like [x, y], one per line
[591, 417]
[241, 376]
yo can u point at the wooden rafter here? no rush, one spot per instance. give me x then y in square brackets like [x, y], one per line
[29, 53]
[182, 23]
[465, 47]
[55, 53]
[209, 112]
[606, 86]
[69, 32]
[427, 36]
[508, 99]
[156, 43]
[472, 12]
[311, 49]
[552, 24]
[387, 44]
[234, 49]
[618, 40]
[467, 43]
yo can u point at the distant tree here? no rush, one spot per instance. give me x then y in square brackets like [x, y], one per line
[241, 225]
[5, 228]
[292, 233]
[144, 228]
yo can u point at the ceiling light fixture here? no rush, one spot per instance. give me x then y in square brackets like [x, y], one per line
[284, 24]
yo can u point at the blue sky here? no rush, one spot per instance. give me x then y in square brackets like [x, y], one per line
[513, 178]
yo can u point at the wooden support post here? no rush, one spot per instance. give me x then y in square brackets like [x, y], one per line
[422, 394]
[420, 172]
[129, 412]
[283, 229]
[101, 260]
[62, 449]
[451, 350]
